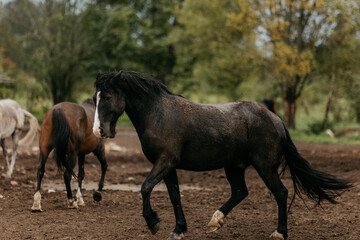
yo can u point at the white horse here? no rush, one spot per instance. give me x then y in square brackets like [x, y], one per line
[12, 124]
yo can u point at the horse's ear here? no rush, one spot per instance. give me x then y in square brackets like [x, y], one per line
[118, 75]
[98, 75]
[116, 80]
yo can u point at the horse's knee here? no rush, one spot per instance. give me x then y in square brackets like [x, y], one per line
[146, 188]
[243, 193]
[239, 195]
[67, 175]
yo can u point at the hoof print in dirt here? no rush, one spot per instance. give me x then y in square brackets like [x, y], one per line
[97, 196]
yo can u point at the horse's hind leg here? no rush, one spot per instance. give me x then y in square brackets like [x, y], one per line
[172, 185]
[3, 145]
[236, 178]
[272, 180]
[67, 178]
[100, 154]
[44, 153]
[15, 140]
[81, 175]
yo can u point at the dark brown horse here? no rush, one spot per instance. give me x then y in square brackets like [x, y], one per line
[67, 128]
[176, 133]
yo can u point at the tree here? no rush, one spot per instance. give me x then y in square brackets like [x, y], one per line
[214, 45]
[61, 49]
[338, 54]
[133, 35]
[46, 41]
[292, 29]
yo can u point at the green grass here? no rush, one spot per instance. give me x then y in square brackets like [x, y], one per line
[124, 121]
[351, 138]
[302, 136]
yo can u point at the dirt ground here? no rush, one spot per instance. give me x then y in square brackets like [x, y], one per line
[119, 214]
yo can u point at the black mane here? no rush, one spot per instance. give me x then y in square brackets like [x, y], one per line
[138, 83]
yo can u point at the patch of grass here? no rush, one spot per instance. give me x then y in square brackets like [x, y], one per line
[307, 136]
[124, 120]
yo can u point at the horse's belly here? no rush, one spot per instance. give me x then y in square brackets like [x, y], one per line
[7, 128]
[206, 159]
[88, 146]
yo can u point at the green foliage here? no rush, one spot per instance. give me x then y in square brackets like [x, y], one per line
[302, 136]
[39, 112]
[319, 127]
[211, 48]
[124, 120]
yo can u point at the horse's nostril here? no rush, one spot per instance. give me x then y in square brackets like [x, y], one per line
[101, 131]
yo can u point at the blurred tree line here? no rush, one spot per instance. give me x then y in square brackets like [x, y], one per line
[231, 48]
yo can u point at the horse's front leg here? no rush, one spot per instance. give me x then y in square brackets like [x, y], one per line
[162, 167]
[100, 154]
[172, 185]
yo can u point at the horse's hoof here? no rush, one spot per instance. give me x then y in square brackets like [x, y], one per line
[154, 229]
[216, 222]
[174, 236]
[71, 203]
[33, 209]
[97, 196]
[277, 235]
[36, 207]
[8, 175]
[80, 202]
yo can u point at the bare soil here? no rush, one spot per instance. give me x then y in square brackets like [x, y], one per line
[119, 214]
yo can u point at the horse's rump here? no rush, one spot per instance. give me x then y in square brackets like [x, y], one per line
[61, 137]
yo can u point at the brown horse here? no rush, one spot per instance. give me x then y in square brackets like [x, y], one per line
[67, 128]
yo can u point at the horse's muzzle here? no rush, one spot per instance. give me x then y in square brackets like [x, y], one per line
[102, 133]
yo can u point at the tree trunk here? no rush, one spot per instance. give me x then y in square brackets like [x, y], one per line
[357, 109]
[289, 99]
[328, 104]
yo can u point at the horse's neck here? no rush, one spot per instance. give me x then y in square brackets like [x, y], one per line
[142, 111]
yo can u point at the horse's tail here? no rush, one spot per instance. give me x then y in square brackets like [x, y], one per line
[34, 128]
[61, 133]
[315, 184]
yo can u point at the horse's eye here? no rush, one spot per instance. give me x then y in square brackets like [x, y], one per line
[107, 98]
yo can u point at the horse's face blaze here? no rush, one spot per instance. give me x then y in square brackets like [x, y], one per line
[110, 105]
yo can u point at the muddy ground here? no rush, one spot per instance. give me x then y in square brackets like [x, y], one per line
[119, 214]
